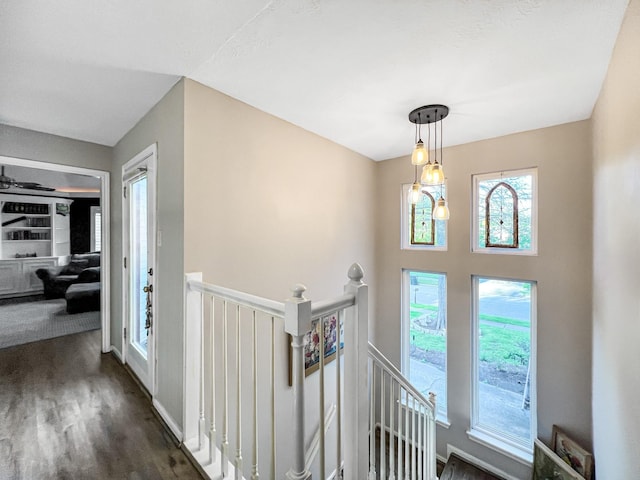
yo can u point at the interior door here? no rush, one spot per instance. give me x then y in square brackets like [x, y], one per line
[139, 265]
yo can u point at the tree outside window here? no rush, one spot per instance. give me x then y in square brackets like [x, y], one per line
[425, 333]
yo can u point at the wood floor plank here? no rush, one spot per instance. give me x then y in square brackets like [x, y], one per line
[69, 412]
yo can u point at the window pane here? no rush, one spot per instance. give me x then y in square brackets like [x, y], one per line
[97, 232]
[509, 222]
[427, 355]
[503, 327]
[422, 223]
[418, 230]
[139, 262]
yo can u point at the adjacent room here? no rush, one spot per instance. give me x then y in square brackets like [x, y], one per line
[50, 246]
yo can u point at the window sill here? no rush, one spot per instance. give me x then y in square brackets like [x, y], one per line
[517, 453]
[505, 251]
[429, 248]
[442, 421]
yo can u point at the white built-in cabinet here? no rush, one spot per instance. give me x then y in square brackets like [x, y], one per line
[34, 233]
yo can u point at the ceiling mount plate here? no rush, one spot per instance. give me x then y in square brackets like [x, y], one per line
[428, 114]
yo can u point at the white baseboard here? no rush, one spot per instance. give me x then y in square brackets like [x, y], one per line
[168, 419]
[470, 458]
[117, 353]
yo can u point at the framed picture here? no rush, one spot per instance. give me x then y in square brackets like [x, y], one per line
[573, 454]
[62, 209]
[312, 345]
[549, 466]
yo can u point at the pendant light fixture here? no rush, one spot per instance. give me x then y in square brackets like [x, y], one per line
[420, 155]
[432, 172]
[416, 189]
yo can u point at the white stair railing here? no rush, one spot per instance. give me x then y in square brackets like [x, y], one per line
[399, 410]
[222, 359]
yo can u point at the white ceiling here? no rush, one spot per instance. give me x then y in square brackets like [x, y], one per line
[66, 184]
[348, 70]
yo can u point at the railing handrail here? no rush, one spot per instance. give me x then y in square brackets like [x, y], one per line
[318, 309]
[265, 305]
[379, 357]
[322, 308]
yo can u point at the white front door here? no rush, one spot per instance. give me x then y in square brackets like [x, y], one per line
[139, 207]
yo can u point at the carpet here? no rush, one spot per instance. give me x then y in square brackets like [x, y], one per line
[25, 322]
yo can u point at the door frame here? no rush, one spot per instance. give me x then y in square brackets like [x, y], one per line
[149, 155]
[105, 253]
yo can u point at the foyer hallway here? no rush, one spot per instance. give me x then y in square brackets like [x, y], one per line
[69, 412]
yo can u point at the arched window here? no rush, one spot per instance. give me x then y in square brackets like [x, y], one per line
[501, 217]
[423, 226]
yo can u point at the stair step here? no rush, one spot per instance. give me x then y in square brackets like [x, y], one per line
[459, 469]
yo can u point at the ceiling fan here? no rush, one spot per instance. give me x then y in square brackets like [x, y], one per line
[8, 182]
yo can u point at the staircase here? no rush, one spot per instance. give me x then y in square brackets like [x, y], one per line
[247, 404]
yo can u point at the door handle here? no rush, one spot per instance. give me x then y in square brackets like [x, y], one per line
[148, 289]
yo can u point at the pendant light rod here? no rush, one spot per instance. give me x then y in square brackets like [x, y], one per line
[435, 138]
[441, 156]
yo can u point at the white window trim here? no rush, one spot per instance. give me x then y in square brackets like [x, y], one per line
[486, 436]
[405, 236]
[476, 178]
[442, 420]
[92, 215]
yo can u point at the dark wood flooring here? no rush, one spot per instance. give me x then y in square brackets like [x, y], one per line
[69, 412]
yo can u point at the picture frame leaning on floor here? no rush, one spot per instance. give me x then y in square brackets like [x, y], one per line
[572, 453]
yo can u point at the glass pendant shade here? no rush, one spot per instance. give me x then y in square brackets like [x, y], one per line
[436, 176]
[426, 176]
[414, 193]
[441, 212]
[420, 154]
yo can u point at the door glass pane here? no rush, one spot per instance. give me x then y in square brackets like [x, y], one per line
[427, 369]
[138, 209]
[503, 362]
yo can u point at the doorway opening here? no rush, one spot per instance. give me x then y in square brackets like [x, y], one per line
[48, 265]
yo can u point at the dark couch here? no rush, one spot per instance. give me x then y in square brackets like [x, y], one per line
[83, 268]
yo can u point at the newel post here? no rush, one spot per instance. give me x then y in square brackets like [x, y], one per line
[297, 323]
[356, 378]
[192, 359]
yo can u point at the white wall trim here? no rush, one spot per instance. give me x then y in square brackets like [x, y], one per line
[496, 444]
[105, 265]
[129, 169]
[168, 419]
[117, 353]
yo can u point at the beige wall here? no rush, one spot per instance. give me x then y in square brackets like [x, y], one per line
[616, 286]
[268, 204]
[265, 199]
[43, 147]
[162, 125]
[562, 270]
